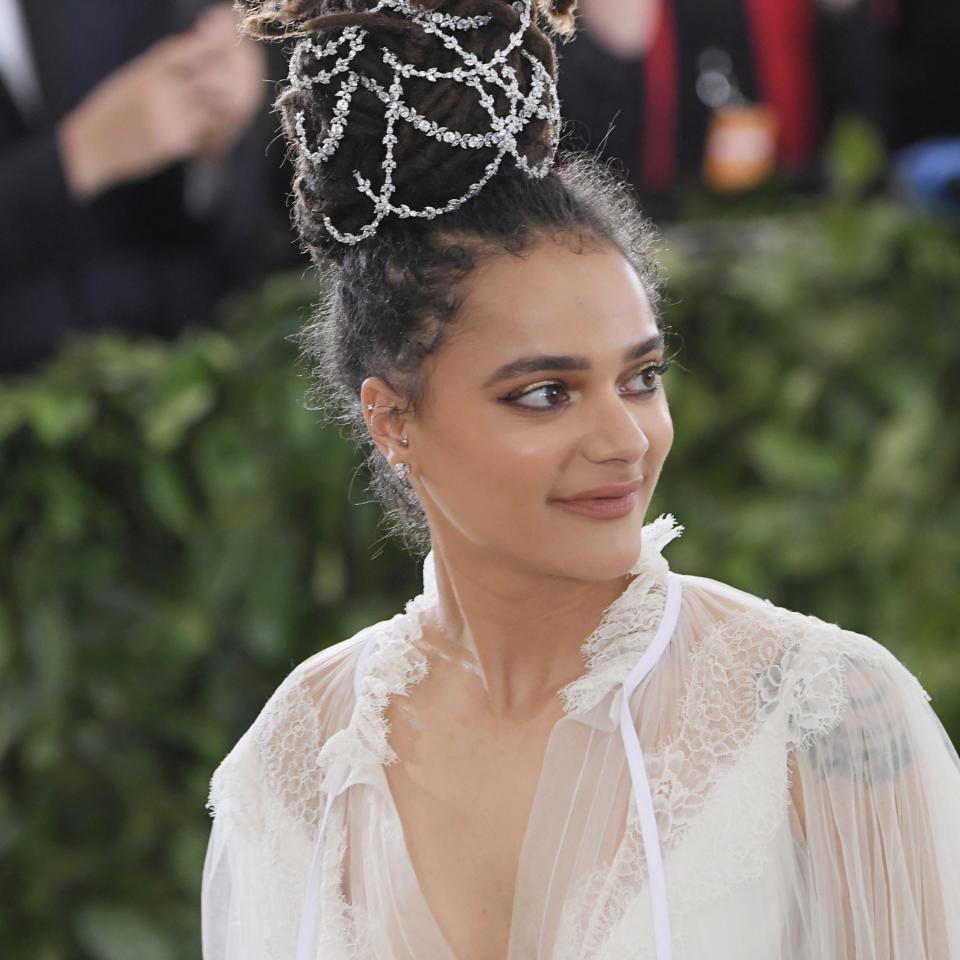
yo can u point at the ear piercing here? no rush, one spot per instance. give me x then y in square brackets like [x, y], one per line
[401, 469]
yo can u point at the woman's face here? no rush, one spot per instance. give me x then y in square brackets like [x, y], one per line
[547, 390]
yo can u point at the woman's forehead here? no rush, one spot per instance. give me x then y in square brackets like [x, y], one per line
[553, 297]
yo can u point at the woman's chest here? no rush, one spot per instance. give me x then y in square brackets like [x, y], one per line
[463, 793]
[490, 865]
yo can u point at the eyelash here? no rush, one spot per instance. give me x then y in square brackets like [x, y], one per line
[658, 368]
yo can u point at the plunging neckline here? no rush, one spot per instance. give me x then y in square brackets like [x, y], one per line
[415, 885]
[395, 663]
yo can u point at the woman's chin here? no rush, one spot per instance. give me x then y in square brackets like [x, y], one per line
[602, 555]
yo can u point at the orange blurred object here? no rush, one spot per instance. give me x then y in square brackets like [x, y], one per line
[741, 147]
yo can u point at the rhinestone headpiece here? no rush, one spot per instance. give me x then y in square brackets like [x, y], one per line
[541, 102]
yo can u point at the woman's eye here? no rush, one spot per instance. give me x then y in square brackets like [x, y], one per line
[553, 389]
[652, 372]
[545, 390]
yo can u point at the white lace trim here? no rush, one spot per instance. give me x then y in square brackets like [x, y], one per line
[393, 665]
[628, 625]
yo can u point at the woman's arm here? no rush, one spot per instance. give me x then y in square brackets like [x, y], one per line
[878, 800]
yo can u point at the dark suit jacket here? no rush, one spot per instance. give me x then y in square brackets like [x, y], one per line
[134, 258]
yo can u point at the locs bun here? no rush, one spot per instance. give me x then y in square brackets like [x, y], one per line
[427, 173]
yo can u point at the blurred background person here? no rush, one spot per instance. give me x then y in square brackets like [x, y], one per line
[926, 81]
[135, 189]
[723, 93]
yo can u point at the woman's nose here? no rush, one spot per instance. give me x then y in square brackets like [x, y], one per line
[615, 431]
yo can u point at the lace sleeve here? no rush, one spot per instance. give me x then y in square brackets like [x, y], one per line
[265, 799]
[877, 799]
[234, 860]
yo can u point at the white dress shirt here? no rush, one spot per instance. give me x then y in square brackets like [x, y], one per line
[17, 68]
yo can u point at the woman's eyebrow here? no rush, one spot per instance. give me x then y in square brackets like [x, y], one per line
[525, 365]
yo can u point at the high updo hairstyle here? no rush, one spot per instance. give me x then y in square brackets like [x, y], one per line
[394, 296]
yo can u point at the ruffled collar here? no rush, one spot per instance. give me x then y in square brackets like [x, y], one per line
[395, 663]
[625, 630]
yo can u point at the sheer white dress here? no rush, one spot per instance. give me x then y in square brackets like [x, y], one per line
[803, 797]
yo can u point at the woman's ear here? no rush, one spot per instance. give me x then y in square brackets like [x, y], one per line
[385, 413]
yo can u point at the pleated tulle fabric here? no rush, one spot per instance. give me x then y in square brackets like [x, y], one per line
[807, 797]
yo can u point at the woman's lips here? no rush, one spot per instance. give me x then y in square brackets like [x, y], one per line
[603, 508]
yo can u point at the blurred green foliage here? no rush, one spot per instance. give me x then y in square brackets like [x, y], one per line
[817, 457]
[177, 531]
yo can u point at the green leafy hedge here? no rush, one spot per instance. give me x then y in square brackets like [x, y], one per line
[817, 455]
[177, 531]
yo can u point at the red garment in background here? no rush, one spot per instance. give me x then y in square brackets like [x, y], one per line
[782, 42]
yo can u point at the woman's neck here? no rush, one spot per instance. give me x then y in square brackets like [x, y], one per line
[517, 635]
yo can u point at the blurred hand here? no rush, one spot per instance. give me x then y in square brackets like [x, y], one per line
[625, 27]
[188, 95]
[239, 85]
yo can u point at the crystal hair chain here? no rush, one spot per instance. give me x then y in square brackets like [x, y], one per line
[541, 102]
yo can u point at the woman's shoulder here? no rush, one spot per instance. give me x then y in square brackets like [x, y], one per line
[321, 684]
[277, 752]
[788, 662]
[732, 613]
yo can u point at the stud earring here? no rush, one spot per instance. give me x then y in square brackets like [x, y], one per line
[405, 440]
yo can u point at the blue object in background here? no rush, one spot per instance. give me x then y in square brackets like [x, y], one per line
[927, 175]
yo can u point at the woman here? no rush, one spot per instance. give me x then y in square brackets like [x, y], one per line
[560, 748]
